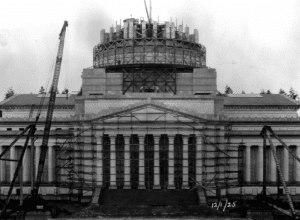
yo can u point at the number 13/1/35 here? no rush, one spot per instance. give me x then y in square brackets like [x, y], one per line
[227, 204]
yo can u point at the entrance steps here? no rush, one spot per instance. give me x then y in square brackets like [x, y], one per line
[150, 204]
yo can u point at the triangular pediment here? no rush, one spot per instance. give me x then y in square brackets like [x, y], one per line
[146, 111]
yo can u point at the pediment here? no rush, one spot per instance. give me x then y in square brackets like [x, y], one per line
[152, 111]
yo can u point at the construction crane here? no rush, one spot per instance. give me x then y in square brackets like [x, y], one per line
[50, 110]
[31, 130]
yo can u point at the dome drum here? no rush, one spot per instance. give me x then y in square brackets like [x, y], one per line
[141, 43]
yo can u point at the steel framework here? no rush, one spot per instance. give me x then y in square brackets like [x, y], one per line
[157, 80]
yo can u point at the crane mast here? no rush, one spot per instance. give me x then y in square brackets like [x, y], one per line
[50, 110]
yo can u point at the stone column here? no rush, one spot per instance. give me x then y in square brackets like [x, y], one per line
[297, 165]
[171, 184]
[26, 165]
[156, 163]
[113, 164]
[13, 164]
[273, 171]
[37, 158]
[2, 168]
[248, 164]
[127, 163]
[99, 157]
[260, 164]
[285, 165]
[185, 163]
[50, 164]
[199, 147]
[141, 163]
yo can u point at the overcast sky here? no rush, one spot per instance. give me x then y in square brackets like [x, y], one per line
[253, 45]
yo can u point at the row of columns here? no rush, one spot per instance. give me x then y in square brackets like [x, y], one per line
[26, 163]
[273, 168]
[171, 185]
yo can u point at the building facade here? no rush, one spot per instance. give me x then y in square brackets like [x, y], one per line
[149, 116]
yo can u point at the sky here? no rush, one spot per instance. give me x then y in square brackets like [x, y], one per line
[253, 45]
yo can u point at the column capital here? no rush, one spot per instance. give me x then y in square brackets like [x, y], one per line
[141, 138]
[126, 140]
[185, 139]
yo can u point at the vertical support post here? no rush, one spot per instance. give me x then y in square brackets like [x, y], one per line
[141, 163]
[260, 164]
[156, 163]
[143, 29]
[273, 172]
[285, 165]
[185, 163]
[127, 162]
[2, 171]
[12, 163]
[187, 33]
[99, 157]
[125, 30]
[264, 164]
[111, 33]
[50, 164]
[25, 166]
[130, 29]
[199, 147]
[113, 164]
[167, 31]
[297, 165]
[32, 163]
[37, 158]
[102, 36]
[154, 29]
[171, 184]
[172, 35]
[248, 164]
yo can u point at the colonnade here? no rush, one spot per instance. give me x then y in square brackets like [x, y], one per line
[8, 167]
[253, 160]
[164, 161]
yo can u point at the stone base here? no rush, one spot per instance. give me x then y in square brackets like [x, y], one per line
[113, 187]
[141, 187]
[171, 187]
[185, 187]
[156, 187]
[126, 187]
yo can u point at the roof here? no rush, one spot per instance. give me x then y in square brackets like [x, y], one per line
[259, 100]
[230, 100]
[35, 99]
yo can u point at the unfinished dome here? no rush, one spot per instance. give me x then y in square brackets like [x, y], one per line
[152, 50]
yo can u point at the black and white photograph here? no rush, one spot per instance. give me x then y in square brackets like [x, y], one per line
[148, 109]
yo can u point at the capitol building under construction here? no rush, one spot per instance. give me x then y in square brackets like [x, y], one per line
[149, 117]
